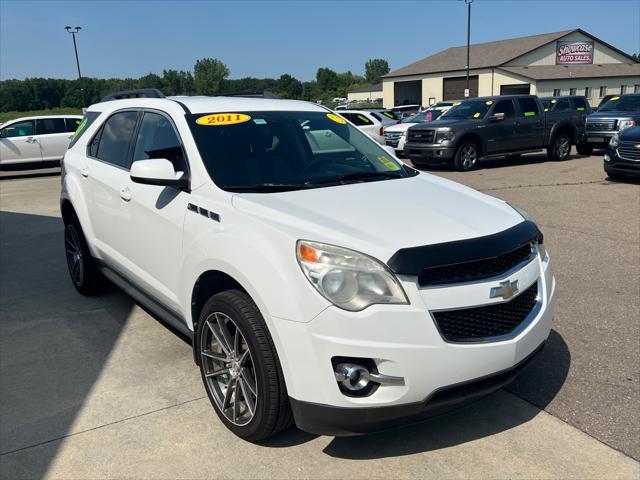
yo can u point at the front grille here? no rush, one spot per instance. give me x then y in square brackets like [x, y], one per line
[420, 136]
[392, 138]
[601, 124]
[479, 323]
[475, 270]
[629, 151]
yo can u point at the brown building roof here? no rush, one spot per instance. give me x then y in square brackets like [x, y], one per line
[552, 72]
[484, 55]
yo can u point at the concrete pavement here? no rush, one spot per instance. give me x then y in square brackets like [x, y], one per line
[96, 388]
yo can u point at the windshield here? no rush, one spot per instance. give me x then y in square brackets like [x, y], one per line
[424, 116]
[468, 109]
[283, 150]
[629, 103]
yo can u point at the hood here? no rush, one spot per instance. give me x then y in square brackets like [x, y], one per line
[614, 114]
[447, 122]
[379, 218]
[630, 134]
[399, 127]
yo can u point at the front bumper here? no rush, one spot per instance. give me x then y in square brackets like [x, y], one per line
[619, 165]
[340, 421]
[403, 341]
[597, 139]
[421, 154]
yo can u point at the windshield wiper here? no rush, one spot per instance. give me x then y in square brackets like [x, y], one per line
[354, 176]
[268, 187]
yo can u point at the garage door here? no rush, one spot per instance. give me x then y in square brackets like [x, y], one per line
[519, 89]
[453, 87]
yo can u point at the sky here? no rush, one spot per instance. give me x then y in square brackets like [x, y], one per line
[266, 38]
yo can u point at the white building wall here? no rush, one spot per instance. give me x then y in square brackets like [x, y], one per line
[612, 84]
[364, 96]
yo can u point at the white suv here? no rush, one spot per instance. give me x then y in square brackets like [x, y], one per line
[320, 279]
[36, 139]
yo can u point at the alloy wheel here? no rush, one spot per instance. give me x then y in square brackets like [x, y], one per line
[563, 147]
[74, 254]
[469, 156]
[228, 369]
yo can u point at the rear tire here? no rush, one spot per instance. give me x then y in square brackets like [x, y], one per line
[560, 148]
[466, 157]
[248, 391]
[82, 268]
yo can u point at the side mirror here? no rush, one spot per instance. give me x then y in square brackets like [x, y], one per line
[497, 117]
[157, 171]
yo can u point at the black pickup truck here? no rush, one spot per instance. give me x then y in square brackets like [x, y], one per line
[495, 126]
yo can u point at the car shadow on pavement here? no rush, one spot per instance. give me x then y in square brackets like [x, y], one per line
[54, 343]
[538, 384]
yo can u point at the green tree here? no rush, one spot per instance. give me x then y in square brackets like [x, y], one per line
[150, 81]
[288, 86]
[209, 74]
[376, 68]
[327, 79]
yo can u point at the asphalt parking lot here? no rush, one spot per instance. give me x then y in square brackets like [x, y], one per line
[97, 388]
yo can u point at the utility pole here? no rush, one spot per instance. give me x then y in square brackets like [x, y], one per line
[73, 32]
[468, 2]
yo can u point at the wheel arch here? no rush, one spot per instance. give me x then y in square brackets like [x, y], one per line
[564, 127]
[473, 137]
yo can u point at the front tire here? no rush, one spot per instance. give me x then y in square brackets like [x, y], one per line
[466, 157]
[84, 274]
[240, 367]
[560, 148]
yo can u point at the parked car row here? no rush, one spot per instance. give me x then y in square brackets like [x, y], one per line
[463, 132]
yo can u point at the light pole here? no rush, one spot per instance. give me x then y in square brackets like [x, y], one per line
[468, 2]
[73, 32]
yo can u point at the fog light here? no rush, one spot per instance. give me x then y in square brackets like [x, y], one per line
[352, 376]
[607, 158]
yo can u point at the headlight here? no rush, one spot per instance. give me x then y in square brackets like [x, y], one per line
[444, 136]
[614, 141]
[625, 123]
[403, 134]
[348, 279]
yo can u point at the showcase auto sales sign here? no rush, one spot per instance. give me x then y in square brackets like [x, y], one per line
[570, 53]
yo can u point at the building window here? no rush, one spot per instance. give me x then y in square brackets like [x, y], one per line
[636, 88]
[556, 92]
[572, 91]
[588, 91]
[603, 91]
[623, 89]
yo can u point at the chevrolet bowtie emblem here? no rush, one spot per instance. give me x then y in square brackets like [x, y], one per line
[505, 290]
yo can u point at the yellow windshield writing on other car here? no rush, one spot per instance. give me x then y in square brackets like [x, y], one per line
[387, 162]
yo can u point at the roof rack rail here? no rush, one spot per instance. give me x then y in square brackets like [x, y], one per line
[265, 94]
[137, 93]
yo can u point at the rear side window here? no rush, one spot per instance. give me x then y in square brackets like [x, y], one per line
[580, 104]
[528, 107]
[158, 139]
[72, 124]
[19, 129]
[48, 126]
[357, 119]
[88, 119]
[506, 107]
[562, 105]
[115, 138]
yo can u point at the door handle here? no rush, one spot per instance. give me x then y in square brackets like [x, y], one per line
[85, 172]
[125, 194]
[31, 140]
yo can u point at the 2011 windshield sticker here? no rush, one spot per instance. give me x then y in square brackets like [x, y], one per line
[218, 119]
[336, 118]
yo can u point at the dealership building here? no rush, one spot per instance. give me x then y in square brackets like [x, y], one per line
[572, 62]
